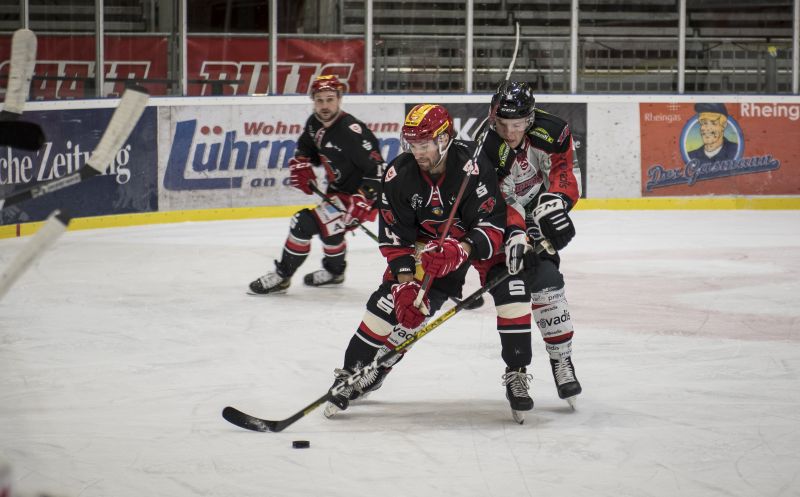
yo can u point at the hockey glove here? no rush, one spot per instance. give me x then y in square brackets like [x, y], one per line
[406, 312]
[301, 174]
[358, 211]
[440, 261]
[516, 252]
[553, 221]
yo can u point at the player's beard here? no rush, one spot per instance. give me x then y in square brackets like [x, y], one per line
[327, 116]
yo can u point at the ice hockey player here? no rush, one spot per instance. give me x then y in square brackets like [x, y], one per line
[353, 165]
[532, 152]
[419, 190]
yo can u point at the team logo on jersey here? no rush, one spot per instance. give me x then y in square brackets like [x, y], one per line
[504, 150]
[388, 216]
[488, 205]
[564, 135]
[355, 128]
[318, 135]
[437, 211]
[471, 167]
[390, 174]
[543, 134]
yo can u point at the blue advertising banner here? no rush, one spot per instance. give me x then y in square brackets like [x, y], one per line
[129, 184]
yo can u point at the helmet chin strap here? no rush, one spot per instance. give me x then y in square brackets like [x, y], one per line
[443, 151]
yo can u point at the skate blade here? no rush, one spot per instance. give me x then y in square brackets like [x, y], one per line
[276, 292]
[331, 410]
[519, 416]
[572, 401]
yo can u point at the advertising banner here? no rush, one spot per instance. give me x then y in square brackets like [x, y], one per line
[128, 186]
[241, 65]
[720, 149]
[468, 117]
[216, 65]
[65, 65]
[237, 156]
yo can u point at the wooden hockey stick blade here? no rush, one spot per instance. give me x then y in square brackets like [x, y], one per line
[125, 117]
[23, 60]
[53, 228]
[20, 134]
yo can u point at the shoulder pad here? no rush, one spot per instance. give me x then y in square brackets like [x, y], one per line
[548, 131]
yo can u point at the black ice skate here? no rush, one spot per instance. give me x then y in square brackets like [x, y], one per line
[323, 277]
[516, 381]
[370, 383]
[360, 390]
[566, 382]
[272, 282]
[341, 401]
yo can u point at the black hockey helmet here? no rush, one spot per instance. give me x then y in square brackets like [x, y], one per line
[514, 100]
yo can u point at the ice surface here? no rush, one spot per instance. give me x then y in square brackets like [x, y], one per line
[119, 349]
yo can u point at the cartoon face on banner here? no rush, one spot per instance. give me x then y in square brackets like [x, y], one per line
[711, 134]
[719, 148]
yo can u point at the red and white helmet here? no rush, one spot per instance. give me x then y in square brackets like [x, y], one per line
[328, 82]
[426, 122]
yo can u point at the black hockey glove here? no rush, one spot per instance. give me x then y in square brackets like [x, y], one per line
[553, 221]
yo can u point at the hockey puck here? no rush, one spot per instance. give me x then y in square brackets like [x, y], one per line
[301, 444]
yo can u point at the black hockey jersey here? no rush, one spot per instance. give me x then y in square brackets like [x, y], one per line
[414, 207]
[347, 149]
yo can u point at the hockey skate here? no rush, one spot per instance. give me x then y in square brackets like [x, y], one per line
[341, 401]
[272, 282]
[359, 391]
[370, 383]
[323, 277]
[516, 381]
[567, 384]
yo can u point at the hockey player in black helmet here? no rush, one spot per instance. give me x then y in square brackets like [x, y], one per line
[532, 152]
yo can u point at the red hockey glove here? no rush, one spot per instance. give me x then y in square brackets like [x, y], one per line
[358, 211]
[302, 174]
[438, 261]
[406, 312]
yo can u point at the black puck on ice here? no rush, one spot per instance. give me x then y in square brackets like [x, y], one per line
[301, 444]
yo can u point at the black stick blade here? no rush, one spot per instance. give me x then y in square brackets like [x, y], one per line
[21, 134]
[248, 422]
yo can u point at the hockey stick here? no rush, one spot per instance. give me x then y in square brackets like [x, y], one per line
[426, 280]
[15, 133]
[248, 422]
[332, 204]
[125, 117]
[53, 228]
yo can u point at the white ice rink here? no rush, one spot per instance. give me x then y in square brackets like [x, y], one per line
[119, 349]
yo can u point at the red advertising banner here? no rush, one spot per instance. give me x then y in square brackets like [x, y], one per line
[216, 65]
[720, 149]
[65, 65]
[242, 64]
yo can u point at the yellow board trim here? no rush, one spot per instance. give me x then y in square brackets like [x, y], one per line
[661, 203]
[690, 203]
[138, 219]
